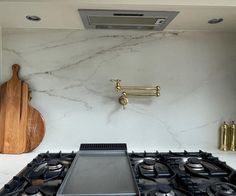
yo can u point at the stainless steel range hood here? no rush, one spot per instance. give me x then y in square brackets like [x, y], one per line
[117, 19]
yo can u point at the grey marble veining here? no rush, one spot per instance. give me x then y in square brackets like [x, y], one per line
[69, 73]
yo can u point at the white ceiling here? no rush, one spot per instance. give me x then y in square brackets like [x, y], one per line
[63, 14]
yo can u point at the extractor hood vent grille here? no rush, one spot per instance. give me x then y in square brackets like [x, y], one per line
[116, 19]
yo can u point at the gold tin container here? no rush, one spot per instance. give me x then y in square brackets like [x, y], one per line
[232, 136]
[224, 137]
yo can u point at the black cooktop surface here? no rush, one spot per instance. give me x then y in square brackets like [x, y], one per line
[156, 174]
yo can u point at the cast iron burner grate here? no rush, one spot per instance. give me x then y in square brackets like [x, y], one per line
[41, 177]
[182, 173]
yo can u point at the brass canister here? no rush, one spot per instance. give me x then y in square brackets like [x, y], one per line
[224, 137]
[232, 136]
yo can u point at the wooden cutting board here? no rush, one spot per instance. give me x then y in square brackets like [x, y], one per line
[21, 126]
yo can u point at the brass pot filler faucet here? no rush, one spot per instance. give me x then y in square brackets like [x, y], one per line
[127, 91]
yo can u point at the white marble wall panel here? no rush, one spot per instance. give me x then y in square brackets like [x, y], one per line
[69, 72]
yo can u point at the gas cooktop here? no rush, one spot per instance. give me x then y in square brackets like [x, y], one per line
[182, 173]
[153, 173]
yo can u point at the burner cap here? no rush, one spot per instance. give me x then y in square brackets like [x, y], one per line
[149, 161]
[52, 162]
[194, 160]
[194, 164]
[164, 188]
[32, 190]
[148, 164]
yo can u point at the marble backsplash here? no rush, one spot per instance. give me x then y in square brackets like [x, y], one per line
[69, 73]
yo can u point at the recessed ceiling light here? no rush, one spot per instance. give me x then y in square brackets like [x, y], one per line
[215, 20]
[33, 18]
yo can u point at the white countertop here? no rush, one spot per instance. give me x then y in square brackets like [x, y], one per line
[11, 165]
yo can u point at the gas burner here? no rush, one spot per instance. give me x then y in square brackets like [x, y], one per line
[221, 189]
[195, 164]
[54, 165]
[148, 163]
[32, 191]
[46, 170]
[54, 170]
[162, 190]
[151, 167]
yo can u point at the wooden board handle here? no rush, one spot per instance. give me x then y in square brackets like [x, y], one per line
[15, 70]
